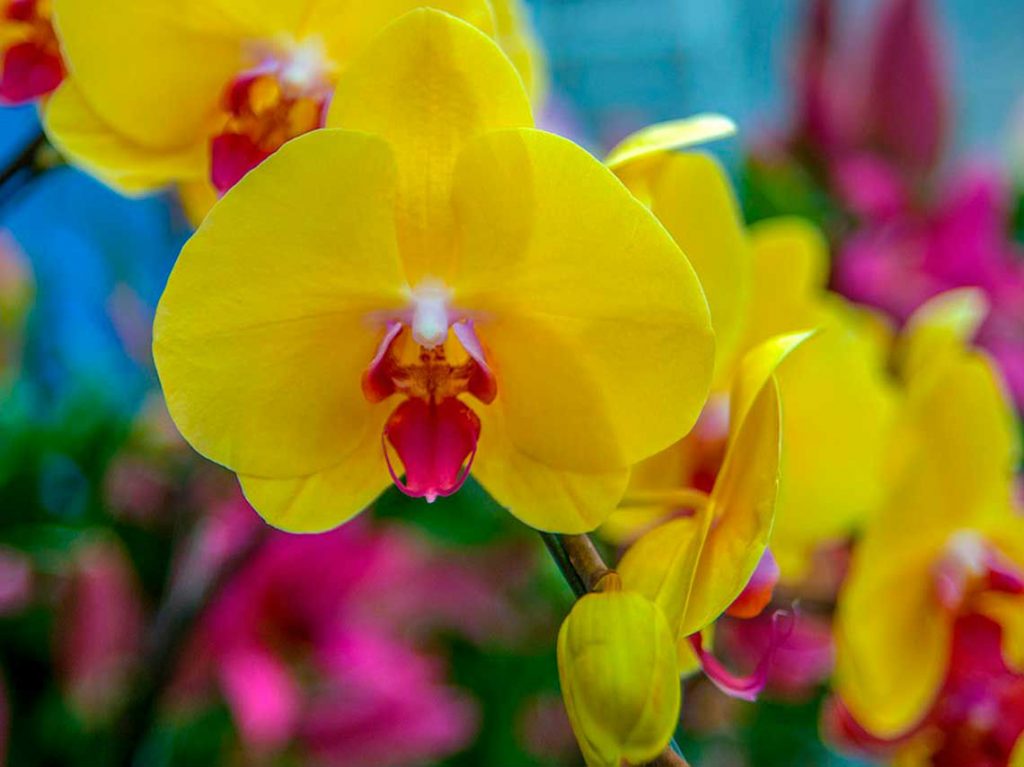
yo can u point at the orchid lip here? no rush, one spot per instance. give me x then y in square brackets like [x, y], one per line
[437, 444]
[745, 687]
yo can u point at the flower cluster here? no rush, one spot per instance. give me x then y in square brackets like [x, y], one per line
[398, 283]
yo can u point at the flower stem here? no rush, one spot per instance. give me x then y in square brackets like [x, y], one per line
[172, 627]
[582, 566]
[23, 169]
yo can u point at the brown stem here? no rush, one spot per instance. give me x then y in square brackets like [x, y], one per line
[585, 559]
[669, 759]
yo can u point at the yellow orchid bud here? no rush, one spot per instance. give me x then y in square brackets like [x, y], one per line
[617, 665]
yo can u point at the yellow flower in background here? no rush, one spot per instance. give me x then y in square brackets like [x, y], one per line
[432, 285]
[200, 91]
[763, 282]
[617, 667]
[948, 540]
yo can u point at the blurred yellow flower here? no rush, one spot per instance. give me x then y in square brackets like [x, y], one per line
[201, 91]
[432, 285]
[617, 667]
[948, 539]
[769, 280]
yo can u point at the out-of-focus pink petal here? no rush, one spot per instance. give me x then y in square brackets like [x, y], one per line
[100, 620]
[15, 580]
[906, 99]
[392, 709]
[265, 700]
[871, 188]
[750, 686]
[802, 662]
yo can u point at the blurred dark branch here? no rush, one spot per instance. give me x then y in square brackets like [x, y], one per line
[24, 168]
[169, 635]
[583, 567]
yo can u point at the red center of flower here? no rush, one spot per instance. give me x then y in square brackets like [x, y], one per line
[970, 566]
[283, 97]
[32, 65]
[432, 431]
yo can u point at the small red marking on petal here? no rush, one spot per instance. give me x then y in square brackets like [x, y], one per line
[482, 383]
[744, 687]
[378, 380]
[29, 72]
[232, 156]
[758, 591]
[22, 10]
[1002, 575]
[436, 444]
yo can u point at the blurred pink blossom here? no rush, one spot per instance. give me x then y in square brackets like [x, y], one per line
[15, 580]
[316, 643]
[100, 624]
[893, 101]
[898, 263]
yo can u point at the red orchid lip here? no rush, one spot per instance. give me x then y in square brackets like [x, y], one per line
[436, 442]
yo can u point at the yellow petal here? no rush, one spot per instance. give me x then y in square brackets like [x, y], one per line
[428, 84]
[893, 640]
[617, 667]
[1008, 611]
[790, 270]
[743, 509]
[594, 320]
[197, 198]
[663, 565]
[347, 28]
[687, 660]
[838, 410]
[960, 435]
[328, 498]
[1017, 757]
[517, 39]
[264, 329]
[693, 199]
[945, 324]
[545, 498]
[639, 154]
[756, 367]
[137, 66]
[693, 568]
[97, 147]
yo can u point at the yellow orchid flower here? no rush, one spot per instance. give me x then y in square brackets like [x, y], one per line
[694, 568]
[769, 280]
[617, 667]
[200, 91]
[947, 542]
[31, 66]
[432, 285]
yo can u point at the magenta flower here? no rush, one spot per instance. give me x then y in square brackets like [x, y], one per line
[313, 644]
[897, 262]
[100, 624]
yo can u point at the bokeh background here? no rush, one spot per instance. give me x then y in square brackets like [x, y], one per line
[424, 635]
